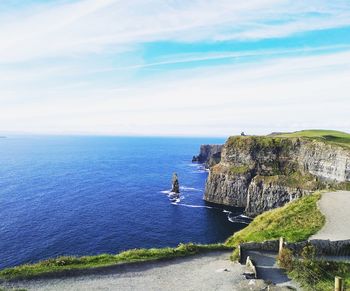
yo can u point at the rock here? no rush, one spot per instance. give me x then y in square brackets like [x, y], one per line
[209, 155]
[265, 196]
[175, 187]
[262, 173]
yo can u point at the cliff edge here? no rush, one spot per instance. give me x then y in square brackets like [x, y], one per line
[209, 154]
[260, 173]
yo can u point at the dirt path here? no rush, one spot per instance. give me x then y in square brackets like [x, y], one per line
[212, 271]
[336, 208]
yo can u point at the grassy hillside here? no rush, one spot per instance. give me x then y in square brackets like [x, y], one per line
[296, 221]
[332, 136]
[78, 263]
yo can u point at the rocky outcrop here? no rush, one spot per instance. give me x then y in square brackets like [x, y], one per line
[209, 155]
[175, 186]
[261, 173]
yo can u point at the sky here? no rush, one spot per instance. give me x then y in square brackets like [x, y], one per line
[174, 67]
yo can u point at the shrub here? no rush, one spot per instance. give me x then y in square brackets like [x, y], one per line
[308, 252]
[286, 259]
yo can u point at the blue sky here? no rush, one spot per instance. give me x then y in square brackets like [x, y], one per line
[183, 68]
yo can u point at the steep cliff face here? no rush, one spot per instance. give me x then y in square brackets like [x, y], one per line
[209, 154]
[263, 195]
[261, 173]
[326, 161]
[223, 187]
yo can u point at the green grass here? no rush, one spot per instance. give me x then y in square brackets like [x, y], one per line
[331, 136]
[77, 263]
[283, 140]
[296, 221]
[259, 143]
[319, 275]
[294, 180]
[239, 170]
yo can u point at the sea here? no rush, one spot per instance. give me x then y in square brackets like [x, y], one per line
[87, 195]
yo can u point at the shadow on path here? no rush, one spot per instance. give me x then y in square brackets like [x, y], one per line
[267, 268]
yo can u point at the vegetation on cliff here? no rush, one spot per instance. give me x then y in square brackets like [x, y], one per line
[296, 179]
[264, 172]
[330, 136]
[66, 263]
[296, 221]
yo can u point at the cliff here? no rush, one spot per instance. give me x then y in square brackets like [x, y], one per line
[264, 172]
[209, 155]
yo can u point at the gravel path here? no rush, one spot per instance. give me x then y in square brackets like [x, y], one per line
[212, 271]
[336, 207]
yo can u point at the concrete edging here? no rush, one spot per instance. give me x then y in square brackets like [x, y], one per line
[250, 264]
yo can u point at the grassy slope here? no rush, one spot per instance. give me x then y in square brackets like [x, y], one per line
[75, 263]
[332, 136]
[296, 221]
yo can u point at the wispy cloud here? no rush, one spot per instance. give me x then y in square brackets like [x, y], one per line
[83, 66]
[278, 94]
[87, 26]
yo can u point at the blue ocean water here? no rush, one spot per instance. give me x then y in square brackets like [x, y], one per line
[91, 195]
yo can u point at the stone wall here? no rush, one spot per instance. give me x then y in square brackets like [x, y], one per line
[322, 247]
[270, 246]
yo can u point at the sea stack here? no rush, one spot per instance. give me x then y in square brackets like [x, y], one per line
[175, 188]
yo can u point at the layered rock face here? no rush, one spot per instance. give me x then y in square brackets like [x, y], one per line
[209, 154]
[326, 161]
[261, 173]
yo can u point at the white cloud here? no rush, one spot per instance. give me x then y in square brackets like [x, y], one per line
[56, 75]
[90, 27]
[278, 94]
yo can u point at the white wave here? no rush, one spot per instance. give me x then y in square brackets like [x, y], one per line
[173, 195]
[238, 218]
[185, 188]
[226, 211]
[244, 216]
[234, 220]
[194, 165]
[194, 206]
[165, 192]
[199, 171]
